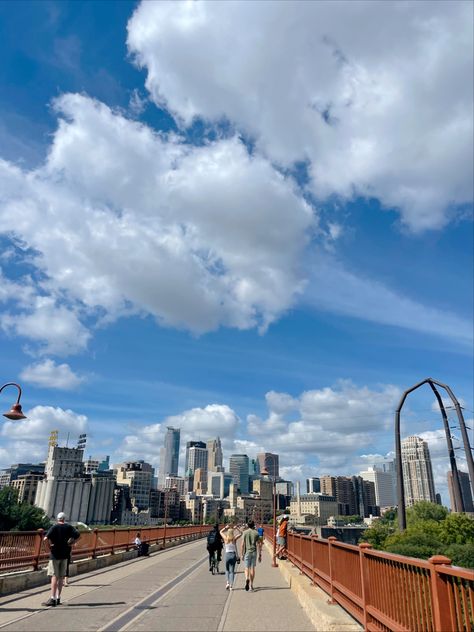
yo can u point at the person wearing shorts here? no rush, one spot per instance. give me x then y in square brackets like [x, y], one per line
[61, 536]
[251, 548]
[281, 538]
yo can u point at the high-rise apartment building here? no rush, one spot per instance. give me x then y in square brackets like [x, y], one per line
[214, 451]
[417, 471]
[365, 498]
[384, 487]
[465, 492]
[342, 489]
[269, 462]
[239, 468]
[138, 475]
[169, 455]
[313, 485]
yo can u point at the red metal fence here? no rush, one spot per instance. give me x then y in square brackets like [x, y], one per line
[384, 591]
[28, 549]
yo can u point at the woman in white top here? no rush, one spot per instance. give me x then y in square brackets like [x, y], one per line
[230, 536]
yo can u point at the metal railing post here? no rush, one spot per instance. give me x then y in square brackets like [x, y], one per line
[94, 543]
[331, 539]
[364, 577]
[113, 541]
[439, 595]
[37, 551]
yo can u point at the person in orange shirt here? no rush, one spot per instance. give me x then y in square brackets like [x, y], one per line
[281, 538]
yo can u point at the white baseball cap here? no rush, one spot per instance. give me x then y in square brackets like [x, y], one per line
[61, 515]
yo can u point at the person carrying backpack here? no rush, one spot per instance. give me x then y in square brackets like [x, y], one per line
[214, 543]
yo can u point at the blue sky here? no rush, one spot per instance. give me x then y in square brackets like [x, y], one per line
[252, 220]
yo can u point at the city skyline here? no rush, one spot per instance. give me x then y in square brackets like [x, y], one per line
[171, 255]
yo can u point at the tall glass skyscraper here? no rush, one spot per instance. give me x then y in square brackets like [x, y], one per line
[239, 468]
[169, 455]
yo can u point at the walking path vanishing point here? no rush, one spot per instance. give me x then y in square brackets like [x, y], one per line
[172, 590]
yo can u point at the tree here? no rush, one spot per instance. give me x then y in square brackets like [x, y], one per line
[424, 510]
[461, 554]
[378, 533]
[457, 528]
[420, 540]
[16, 516]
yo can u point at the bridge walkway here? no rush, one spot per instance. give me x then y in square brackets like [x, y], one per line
[170, 591]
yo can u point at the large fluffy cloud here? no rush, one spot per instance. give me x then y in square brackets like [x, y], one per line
[325, 429]
[122, 219]
[375, 97]
[27, 440]
[48, 374]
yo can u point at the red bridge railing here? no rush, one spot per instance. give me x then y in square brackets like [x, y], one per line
[384, 591]
[28, 549]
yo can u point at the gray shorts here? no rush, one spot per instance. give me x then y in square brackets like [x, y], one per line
[250, 559]
[58, 568]
[281, 541]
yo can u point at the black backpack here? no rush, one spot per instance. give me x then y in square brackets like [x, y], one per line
[212, 538]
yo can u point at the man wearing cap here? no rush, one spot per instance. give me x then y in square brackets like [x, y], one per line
[281, 538]
[60, 536]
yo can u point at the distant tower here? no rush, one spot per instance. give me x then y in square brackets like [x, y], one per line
[214, 449]
[169, 455]
[417, 471]
[313, 485]
[239, 468]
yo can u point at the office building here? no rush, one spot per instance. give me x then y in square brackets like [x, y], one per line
[239, 468]
[383, 482]
[200, 481]
[313, 485]
[263, 487]
[10, 474]
[214, 451]
[320, 506]
[417, 471]
[169, 455]
[465, 492]
[218, 484]
[270, 463]
[190, 461]
[177, 482]
[138, 475]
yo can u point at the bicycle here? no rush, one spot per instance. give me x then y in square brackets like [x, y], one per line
[215, 563]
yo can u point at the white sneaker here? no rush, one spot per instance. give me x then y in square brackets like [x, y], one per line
[227, 586]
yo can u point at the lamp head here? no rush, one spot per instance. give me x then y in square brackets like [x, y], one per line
[15, 413]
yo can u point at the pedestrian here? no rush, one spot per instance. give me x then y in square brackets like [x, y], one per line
[230, 536]
[261, 532]
[281, 538]
[251, 547]
[61, 537]
[214, 544]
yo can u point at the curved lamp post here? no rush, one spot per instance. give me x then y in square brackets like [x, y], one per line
[398, 447]
[264, 472]
[15, 413]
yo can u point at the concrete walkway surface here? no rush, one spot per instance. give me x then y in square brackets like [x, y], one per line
[172, 590]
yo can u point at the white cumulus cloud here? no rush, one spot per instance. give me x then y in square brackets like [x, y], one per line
[376, 98]
[48, 374]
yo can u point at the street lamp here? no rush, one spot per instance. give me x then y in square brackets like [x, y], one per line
[15, 413]
[264, 472]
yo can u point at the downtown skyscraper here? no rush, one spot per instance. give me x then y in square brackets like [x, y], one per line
[417, 471]
[169, 455]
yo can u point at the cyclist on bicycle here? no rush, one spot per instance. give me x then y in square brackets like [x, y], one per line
[214, 545]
